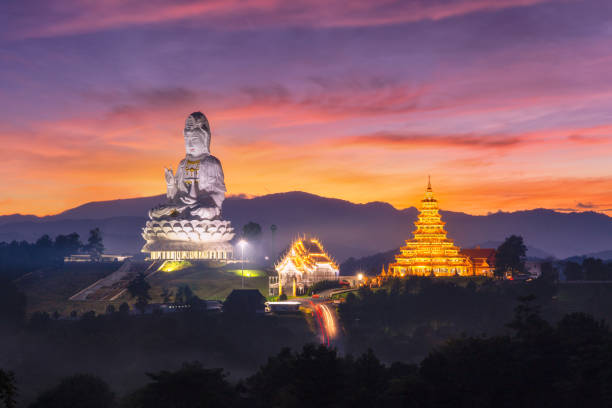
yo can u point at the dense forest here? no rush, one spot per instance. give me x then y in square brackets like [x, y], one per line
[419, 342]
[19, 258]
[537, 364]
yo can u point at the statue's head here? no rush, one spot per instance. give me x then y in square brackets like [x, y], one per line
[197, 135]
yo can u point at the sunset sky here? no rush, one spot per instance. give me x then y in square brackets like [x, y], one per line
[506, 103]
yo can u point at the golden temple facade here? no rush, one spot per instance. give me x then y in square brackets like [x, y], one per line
[430, 252]
[302, 265]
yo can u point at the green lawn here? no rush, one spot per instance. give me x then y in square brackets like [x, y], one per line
[208, 281]
[48, 290]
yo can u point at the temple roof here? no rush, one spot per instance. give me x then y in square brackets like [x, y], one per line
[487, 253]
[305, 254]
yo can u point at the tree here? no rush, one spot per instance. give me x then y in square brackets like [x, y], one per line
[314, 377]
[139, 289]
[166, 295]
[95, 246]
[65, 245]
[595, 269]
[39, 320]
[510, 256]
[527, 322]
[251, 231]
[12, 304]
[188, 293]
[8, 390]
[190, 386]
[323, 285]
[44, 249]
[80, 390]
[179, 297]
[124, 308]
[184, 295]
[243, 302]
[549, 272]
[573, 271]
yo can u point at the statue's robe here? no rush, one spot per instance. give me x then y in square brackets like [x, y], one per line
[201, 180]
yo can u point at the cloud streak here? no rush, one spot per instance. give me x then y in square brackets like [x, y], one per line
[408, 141]
[78, 17]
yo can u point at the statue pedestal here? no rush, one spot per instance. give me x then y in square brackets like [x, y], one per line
[188, 239]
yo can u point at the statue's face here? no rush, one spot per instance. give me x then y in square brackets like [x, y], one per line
[196, 141]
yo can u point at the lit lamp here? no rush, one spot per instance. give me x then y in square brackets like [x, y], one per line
[242, 243]
[360, 279]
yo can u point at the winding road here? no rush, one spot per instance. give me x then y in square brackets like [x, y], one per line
[326, 318]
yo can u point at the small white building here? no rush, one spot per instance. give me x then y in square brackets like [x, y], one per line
[304, 264]
[533, 268]
[103, 258]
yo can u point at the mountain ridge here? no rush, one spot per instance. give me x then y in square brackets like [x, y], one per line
[346, 228]
[160, 198]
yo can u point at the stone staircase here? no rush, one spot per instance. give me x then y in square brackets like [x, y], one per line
[111, 287]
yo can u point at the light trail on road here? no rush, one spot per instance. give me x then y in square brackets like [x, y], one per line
[326, 321]
[329, 321]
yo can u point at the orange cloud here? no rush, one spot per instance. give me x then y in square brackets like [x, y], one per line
[394, 141]
[49, 166]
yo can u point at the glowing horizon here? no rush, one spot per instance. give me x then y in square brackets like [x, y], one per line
[505, 103]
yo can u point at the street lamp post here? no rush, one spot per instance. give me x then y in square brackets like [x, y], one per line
[242, 243]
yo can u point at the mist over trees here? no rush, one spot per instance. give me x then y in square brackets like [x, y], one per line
[139, 288]
[591, 269]
[407, 325]
[12, 305]
[534, 364]
[409, 316]
[79, 390]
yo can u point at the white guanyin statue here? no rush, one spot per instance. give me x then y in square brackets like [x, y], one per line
[189, 226]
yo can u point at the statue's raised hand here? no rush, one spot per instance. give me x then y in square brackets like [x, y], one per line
[188, 200]
[170, 180]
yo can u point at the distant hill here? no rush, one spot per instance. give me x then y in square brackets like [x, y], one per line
[7, 219]
[370, 265]
[605, 255]
[346, 229]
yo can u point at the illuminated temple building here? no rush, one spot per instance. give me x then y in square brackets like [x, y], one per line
[432, 253]
[302, 265]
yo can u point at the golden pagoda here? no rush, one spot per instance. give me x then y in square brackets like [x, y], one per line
[430, 252]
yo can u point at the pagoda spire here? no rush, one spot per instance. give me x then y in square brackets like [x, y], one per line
[430, 251]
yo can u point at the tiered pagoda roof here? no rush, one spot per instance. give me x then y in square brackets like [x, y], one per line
[430, 252]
